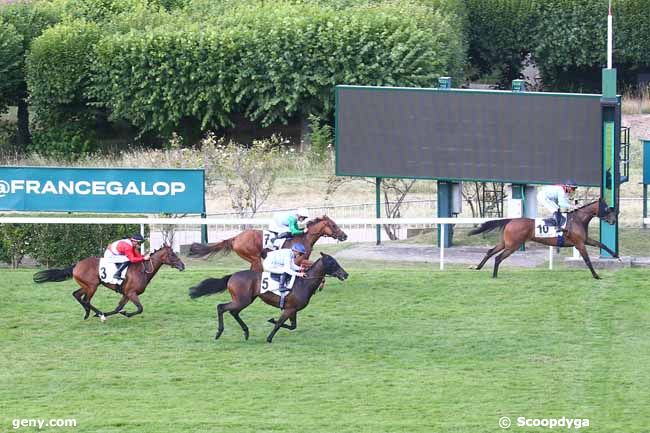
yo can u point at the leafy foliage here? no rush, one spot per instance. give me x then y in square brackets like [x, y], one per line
[499, 36]
[57, 244]
[11, 43]
[270, 62]
[58, 73]
[570, 41]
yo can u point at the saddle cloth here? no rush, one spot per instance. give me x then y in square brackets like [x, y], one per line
[544, 230]
[107, 269]
[271, 283]
[270, 241]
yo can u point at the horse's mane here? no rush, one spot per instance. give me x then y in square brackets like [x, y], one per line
[585, 205]
[316, 220]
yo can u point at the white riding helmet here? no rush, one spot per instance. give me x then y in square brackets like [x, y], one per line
[302, 212]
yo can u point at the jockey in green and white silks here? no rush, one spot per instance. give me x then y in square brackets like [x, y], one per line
[289, 224]
[555, 199]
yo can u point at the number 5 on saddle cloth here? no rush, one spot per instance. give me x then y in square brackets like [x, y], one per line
[275, 283]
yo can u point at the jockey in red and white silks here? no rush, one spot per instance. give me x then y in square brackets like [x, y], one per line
[125, 251]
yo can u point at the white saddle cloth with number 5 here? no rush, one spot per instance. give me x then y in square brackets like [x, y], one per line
[271, 283]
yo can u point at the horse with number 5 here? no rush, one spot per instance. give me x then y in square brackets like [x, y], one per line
[516, 231]
[245, 286]
[86, 275]
[249, 244]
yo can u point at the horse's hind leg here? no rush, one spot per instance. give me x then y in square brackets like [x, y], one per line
[79, 296]
[501, 257]
[499, 247]
[293, 320]
[87, 296]
[234, 307]
[244, 328]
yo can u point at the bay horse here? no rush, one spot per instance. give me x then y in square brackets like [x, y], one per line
[249, 246]
[244, 287]
[138, 276]
[516, 231]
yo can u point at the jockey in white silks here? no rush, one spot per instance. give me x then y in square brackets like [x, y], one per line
[286, 263]
[555, 198]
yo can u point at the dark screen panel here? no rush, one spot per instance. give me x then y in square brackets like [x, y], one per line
[455, 134]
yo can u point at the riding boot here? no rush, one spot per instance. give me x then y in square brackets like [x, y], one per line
[118, 273]
[558, 219]
[285, 235]
[284, 290]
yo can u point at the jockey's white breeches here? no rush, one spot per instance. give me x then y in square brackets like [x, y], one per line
[114, 258]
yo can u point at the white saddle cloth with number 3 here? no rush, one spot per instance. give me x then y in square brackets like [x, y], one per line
[107, 269]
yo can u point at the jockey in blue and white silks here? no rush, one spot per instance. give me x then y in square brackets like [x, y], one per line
[555, 199]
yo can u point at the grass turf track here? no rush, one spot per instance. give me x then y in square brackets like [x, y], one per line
[393, 349]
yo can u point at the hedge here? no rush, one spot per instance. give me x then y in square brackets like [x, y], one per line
[268, 62]
[56, 245]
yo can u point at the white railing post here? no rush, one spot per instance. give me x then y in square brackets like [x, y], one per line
[442, 247]
[550, 258]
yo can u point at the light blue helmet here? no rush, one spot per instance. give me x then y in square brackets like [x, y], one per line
[299, 248]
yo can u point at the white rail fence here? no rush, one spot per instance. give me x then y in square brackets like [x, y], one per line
[220, 228]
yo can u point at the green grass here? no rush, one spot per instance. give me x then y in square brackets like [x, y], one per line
[402, 349]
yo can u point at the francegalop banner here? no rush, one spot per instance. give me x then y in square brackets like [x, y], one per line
[101, 190]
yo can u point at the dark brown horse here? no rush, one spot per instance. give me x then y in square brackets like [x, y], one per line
[248, 244]
[244, 287]
[516, 231]
[138, 276]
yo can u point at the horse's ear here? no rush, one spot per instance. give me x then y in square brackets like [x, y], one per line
[322, 255]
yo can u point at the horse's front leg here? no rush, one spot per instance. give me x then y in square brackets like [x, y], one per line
[133, 297]
[285, 315]
[585, 256]
[595, 243]
[119, 307]
[293, 320]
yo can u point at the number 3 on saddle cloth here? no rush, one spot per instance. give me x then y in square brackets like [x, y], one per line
[107, 270]
[271, 283]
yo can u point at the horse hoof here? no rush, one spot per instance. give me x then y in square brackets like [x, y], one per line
[271, 321]
[246, 336]
[102, 318]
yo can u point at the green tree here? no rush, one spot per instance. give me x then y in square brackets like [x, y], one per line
[29, 19]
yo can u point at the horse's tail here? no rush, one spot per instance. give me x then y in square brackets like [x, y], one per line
[54, 275]
[202, 250]
[210, 287]
[489, 226]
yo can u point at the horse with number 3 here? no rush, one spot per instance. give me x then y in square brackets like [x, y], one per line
[516, 231]
[86, 275]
